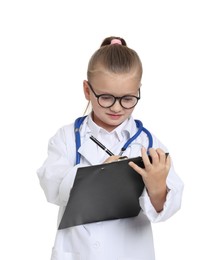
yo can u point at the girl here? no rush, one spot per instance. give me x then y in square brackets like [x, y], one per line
[113, 90]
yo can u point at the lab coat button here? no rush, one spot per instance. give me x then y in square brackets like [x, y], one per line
[96, 245]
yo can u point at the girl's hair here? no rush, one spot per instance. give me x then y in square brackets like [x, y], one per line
[114, 56]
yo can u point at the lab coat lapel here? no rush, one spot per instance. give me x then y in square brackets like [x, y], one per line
[89, 151]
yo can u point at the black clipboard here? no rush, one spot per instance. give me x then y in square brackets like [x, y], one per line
[104, 192]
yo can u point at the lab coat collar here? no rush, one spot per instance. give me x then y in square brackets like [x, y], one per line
[88, 148]
[120, 130]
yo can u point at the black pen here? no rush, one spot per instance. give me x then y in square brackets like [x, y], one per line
[101, 145]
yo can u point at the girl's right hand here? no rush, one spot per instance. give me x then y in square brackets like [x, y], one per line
[114, 158]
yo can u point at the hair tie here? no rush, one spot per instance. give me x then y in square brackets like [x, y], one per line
[116, 41]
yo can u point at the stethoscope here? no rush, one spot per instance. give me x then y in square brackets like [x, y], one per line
[79, 121]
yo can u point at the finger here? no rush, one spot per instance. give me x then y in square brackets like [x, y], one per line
[162, 155]
[154, 155]
[145, 157]
[168, 161]
[112, 158]
[136, 168]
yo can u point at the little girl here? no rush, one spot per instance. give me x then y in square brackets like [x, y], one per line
[113, 89]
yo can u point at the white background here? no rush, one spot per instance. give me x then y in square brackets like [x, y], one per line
[44, 50]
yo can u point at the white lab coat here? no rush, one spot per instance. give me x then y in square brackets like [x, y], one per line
[122, 239]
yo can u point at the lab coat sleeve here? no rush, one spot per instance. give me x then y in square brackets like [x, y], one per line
[57, 173]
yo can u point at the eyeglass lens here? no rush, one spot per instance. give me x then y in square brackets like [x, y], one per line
[125, 101]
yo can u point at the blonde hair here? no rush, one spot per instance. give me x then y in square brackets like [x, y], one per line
[115, 58]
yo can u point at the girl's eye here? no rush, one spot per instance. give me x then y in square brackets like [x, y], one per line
[106, 97]
[128, 99]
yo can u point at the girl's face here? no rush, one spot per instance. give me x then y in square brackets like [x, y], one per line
[117, 85]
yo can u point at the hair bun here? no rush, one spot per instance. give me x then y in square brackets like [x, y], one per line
[113, 40]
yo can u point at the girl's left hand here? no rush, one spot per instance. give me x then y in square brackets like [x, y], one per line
[154, 174]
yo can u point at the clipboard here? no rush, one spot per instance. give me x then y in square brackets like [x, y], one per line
[104, 192]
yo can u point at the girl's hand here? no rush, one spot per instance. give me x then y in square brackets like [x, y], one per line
[114, 158]
[154, 175]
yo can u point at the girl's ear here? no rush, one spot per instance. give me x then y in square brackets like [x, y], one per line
[86, 90]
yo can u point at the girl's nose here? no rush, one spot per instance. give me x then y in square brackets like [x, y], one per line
[116, 107]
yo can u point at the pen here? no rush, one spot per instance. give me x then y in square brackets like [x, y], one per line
[101, 145]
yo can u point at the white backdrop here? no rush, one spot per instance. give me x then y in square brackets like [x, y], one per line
[44, 50]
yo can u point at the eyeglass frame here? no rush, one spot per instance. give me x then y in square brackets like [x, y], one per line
[115, 98]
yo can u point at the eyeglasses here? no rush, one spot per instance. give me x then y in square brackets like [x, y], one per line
[108, 100]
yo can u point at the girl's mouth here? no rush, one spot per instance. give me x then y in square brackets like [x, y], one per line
[114, 116]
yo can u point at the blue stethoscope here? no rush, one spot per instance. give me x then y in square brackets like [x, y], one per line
[79, 121]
